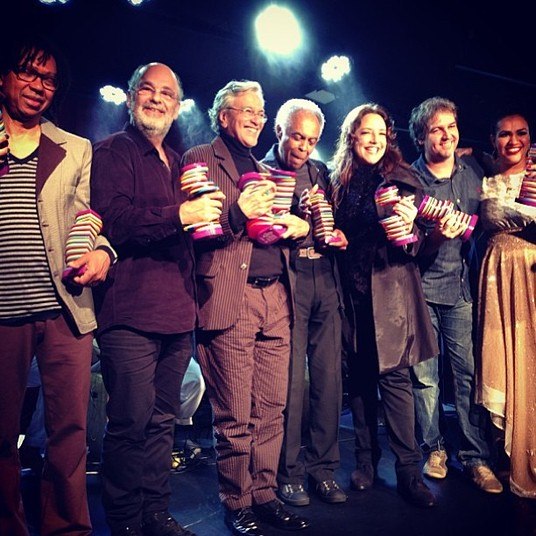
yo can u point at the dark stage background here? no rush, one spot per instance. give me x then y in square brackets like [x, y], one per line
[402, 52]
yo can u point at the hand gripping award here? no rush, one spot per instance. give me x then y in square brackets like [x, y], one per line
[397, 230]
[265, 229]
[195, 182]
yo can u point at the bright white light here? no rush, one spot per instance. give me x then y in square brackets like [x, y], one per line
[278, 30]
[335, 68]
[113, 94]
[53, 1]
[136, 2]
[187, 105]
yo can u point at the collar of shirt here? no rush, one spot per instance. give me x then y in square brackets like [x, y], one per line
[147, 147]
[428, 178]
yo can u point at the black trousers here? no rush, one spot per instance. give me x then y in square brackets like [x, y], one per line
[142, 373]
[316, 344]
[395, 390]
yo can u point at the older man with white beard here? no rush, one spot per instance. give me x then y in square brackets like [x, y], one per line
[147, 311]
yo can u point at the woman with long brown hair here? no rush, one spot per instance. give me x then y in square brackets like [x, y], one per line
[389, 324]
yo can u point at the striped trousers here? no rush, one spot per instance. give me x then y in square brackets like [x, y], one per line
[246, 371]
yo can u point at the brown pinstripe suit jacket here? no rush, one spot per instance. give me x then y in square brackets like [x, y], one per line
[222, 264]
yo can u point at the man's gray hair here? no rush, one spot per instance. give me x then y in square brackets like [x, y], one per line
[223, 98]
[292, 106]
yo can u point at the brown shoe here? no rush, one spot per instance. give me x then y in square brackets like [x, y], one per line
[363, 477]
[436, 465]
[416, 492]
[483, 478]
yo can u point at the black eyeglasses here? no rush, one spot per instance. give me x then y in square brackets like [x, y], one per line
[28, 74]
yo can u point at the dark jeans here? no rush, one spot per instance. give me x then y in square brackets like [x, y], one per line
[142, 373]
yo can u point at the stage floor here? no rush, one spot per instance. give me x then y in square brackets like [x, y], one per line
[463, 510]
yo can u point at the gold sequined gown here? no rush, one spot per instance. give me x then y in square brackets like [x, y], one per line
[506, 372]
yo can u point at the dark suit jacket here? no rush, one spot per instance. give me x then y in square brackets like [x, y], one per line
[222, 264]
[319, 174]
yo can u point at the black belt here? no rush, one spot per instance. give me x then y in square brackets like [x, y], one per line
[261, 282]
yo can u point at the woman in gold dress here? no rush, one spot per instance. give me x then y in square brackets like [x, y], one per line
[507, 308]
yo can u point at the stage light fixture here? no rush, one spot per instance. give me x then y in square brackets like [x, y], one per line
[278, 30]
[113, 94]
[136, 2]
[322, 96]
[335, 68]
[187, 105]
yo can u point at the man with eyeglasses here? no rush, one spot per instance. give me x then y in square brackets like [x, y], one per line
[245, 313]
[147, 310]
[27, 73]
[46, 184]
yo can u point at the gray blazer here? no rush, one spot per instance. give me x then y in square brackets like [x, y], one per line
[62, 190]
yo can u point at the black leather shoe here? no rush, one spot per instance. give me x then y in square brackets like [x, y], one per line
[362, 477]
[293, 494]
[416, 492]
[275, 514]
[163, 524]
[330, 492]
[242, 522]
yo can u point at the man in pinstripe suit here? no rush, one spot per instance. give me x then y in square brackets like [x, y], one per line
[245, 313]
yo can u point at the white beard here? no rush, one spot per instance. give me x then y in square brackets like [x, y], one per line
[151, 126]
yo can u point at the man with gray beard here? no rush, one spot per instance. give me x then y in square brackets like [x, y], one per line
[146, 312]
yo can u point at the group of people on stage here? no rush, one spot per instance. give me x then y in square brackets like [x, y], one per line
[271, 317]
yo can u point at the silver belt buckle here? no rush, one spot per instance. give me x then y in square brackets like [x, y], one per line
[310, 253]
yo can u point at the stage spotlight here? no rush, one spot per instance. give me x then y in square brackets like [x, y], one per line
[278, 30]
[335, 68]
[187, 105]
[136, 2]
[113, 94]
[315, 155]
[48, 2]
[192, 124]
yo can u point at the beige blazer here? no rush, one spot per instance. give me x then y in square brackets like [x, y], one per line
[62, 190]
